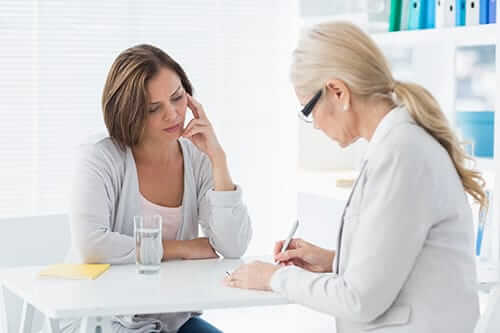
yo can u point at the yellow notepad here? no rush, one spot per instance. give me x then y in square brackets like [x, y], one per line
[77, 272]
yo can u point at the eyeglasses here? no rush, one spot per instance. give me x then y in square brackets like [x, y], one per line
[306, 113]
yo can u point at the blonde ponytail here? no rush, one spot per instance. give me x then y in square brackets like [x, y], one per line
[426, 112]
[341, 50]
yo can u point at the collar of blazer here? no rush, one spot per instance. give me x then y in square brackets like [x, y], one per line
[396, 116]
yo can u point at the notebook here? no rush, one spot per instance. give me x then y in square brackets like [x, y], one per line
[74, 272]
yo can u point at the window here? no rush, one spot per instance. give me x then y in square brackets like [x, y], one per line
[55, 58]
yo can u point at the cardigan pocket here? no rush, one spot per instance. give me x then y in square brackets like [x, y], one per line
[397, 315]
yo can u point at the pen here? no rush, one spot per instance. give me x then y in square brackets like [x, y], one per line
[483, 214]
[295, 226]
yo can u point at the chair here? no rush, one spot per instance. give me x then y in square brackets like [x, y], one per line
[40, 240]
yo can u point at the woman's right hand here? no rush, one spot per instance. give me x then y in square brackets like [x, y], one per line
[305, 255]
[198, 248]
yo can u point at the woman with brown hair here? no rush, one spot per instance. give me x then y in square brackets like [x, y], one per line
[152, 164]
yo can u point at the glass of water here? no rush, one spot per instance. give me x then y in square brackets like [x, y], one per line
[148, 243]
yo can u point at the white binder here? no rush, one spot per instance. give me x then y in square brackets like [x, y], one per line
[445, 13]
[405, 10]
[472, 12]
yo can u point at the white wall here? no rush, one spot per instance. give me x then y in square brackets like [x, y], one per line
[317, 152]
[236, 54]
[255, 118]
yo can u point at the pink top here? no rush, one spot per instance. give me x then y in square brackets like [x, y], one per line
[171, 217]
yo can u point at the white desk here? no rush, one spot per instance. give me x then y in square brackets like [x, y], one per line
[180, 286]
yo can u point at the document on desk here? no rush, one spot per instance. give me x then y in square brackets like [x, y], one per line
[74, 272]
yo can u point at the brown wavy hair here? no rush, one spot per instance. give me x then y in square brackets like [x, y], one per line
[125, 98]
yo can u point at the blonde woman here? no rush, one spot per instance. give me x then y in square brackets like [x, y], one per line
[152, 163]
[404, 260]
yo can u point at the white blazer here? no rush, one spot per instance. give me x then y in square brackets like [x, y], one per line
[406, 258]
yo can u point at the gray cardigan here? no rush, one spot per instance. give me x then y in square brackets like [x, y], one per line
[106, 197]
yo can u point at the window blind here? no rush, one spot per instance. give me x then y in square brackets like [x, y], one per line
[55, 58]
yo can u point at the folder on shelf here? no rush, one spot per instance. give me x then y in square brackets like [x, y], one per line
[430, 17]
[416, 15]
[439, 13]
[460, 13]
[472, 12]
[405, 7]
[422, 14]
[483, 11]
[413, 14]
[74, 272]
[395, 16]
[492, 12]
[445, 13]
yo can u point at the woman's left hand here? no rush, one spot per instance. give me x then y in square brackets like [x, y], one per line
[200, 131]
[256, 275]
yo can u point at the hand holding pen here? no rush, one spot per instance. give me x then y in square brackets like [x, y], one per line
[286, 242]
[303, 254]
[292, 251]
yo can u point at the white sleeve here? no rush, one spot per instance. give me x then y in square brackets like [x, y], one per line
[394, 221]
[222, 215]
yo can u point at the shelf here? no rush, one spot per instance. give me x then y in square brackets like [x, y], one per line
[459, 36]
[485, 164]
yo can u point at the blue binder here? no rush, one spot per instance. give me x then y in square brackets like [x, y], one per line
[483, 11]
[492, 12]
[419, 16]
[430, 18]
[414, 15]
[460, 12]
